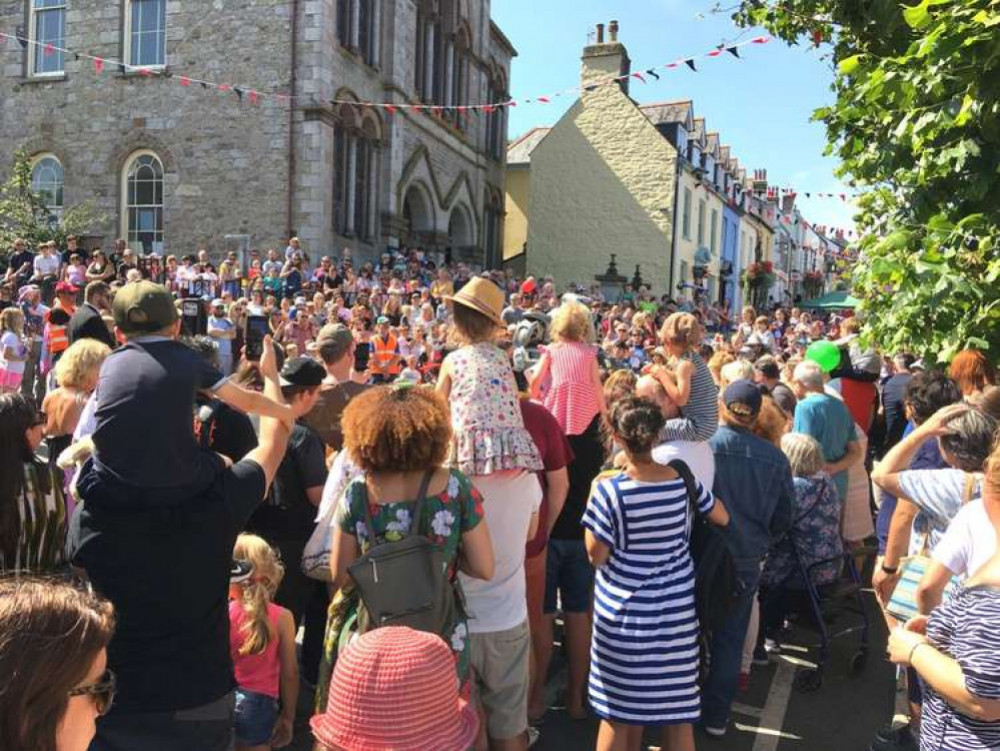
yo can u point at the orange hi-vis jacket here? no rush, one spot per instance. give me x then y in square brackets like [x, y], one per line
[384, 355]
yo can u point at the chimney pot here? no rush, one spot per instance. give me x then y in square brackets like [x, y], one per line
[600, 33]
[613, 31]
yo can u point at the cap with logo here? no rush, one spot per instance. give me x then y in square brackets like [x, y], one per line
[743, 398]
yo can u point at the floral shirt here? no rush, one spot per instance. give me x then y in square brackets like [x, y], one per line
[815, 535]
[446, 517]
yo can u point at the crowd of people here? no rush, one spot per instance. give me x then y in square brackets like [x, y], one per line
[250, 481]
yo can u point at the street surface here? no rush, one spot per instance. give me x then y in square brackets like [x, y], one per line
[773, 715]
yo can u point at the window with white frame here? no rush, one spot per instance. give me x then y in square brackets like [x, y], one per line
[146, 32]
[701, 223]
[686, 215]
[142, 214]
[356, 148]
[47, 178]
[47, 26]
[712, 230]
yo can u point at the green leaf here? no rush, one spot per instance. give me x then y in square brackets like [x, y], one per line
[917, 16]
[849, 64]
[965, 113]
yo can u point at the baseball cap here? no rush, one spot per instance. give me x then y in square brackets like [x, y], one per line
[67, 288]
[333, 342]
[143, 307]
[742, 398]
[381, 320]
[218, 303]
[302, 371]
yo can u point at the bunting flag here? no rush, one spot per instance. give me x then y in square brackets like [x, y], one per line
[255, 95]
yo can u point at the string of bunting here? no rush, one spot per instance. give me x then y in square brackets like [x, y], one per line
[255, 95]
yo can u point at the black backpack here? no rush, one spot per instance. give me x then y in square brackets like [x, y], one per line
[717, 587]
[404, 583]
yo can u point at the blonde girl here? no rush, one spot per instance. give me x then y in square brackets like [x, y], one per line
[262, 645]
[690, 384]
[13, 350]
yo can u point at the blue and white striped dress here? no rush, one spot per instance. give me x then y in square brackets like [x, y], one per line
[965, 627]
[644, 653]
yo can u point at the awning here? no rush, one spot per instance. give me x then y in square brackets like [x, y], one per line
[832, 301]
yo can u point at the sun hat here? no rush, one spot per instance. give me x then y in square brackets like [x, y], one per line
[143, 307]
[396, 688]
[482, 296]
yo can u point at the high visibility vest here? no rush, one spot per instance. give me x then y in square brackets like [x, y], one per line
[382, 355]
[58, 338]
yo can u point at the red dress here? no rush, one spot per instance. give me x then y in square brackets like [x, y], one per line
[572, 398]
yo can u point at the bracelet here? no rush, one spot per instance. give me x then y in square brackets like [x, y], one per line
[918, 645]
[890, 569]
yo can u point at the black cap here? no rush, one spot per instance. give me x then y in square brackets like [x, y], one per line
[302, 371]
[742, 398]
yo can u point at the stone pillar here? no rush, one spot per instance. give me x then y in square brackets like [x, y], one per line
[355, 36]
[376, 42]
[429, 63]
[352, 175]
[372, 186]
[449, 72]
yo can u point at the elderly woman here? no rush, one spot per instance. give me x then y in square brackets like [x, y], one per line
[929, 499]
[76, 373]
[398, 437]
[954, 652]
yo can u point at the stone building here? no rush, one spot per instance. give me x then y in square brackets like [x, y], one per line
[288, 148]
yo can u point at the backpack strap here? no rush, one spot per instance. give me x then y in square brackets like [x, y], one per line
[421, 497]
[682, 469]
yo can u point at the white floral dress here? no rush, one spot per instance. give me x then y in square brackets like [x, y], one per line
[446, 517]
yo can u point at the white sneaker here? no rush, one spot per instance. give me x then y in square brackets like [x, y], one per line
[533, 735]
[714, 732]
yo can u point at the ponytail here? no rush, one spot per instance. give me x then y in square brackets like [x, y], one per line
[256, 625]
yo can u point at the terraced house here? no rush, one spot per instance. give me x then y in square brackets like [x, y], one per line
[286, 146]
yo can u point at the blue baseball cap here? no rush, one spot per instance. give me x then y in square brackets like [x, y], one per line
[742, 398]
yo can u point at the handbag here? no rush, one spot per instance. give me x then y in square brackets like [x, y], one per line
[902, 604]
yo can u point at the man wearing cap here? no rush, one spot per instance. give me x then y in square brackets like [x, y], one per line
[385, 362]
[287, 519]
[223, 331]
[755, 479]
[767, 374]
[335, 347]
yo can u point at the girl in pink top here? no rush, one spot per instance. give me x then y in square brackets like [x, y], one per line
[262, 645]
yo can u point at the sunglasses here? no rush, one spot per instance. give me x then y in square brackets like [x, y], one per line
[103, 692]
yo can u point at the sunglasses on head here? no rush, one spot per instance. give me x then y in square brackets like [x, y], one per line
[103, 692]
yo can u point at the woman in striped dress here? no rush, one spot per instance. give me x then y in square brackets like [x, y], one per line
[955, 652]
[644, 655]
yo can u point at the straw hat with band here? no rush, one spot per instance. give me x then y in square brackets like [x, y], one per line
[396, 688]
[482, 296]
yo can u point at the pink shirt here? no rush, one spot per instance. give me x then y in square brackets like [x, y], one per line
[572, 398]
[261, 672]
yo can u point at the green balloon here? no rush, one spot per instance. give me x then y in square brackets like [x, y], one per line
[825, 354]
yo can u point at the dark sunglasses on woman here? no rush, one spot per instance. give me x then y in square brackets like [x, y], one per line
[103, 692]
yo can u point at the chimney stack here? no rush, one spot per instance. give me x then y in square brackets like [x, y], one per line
[600, 33]
[613, 31]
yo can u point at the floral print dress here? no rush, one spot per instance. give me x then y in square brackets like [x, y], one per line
[446, 517]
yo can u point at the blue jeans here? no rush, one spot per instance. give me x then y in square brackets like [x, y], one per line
[726, 647]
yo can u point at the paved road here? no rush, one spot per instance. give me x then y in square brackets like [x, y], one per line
[773, 715]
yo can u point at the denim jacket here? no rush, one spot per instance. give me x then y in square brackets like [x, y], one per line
[754, 481]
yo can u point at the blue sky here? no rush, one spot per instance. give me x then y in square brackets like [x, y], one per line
[760, 105]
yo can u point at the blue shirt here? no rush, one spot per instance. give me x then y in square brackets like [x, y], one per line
[754, 482]
[827, 420]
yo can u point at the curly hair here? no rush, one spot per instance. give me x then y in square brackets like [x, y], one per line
[928, 392]
[572, 322]
[81, 362]
[682, 329]
[636, 423]
[394, 428]
[971, 371]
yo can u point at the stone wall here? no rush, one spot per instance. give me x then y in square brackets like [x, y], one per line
[602, 182]
[224, 162]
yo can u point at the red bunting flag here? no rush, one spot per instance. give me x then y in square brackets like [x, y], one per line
[185, 81]
[224, 87]
[671, 65]
[714, 53]
[49, 50]
[760, 40]
[843, 196]
[145, 72]
[544, 99]
[511, 103]
[489, 108]
[391, 109]
[639, 77]
[98, 65]
[254, 97]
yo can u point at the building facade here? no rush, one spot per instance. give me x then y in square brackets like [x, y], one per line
[288, 148]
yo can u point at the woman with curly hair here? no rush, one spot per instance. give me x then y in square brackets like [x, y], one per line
[53, 656]
[398, 436]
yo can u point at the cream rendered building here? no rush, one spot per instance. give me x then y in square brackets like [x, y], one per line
[602, 182]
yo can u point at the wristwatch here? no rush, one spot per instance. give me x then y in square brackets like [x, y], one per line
[890, 569]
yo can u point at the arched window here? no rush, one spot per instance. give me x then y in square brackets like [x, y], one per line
[429, 63]
[142, 218]
[358, 24]
[356, 144]
[496, 121]
[47, 179]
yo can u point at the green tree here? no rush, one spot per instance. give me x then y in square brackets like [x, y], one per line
[916, 125]
[23, 212]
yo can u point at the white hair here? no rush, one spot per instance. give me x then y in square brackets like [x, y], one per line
[809, 375]
[738, 370]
